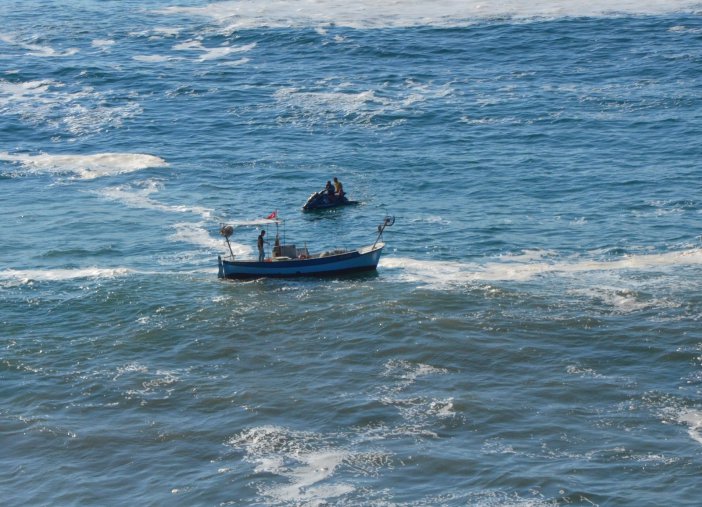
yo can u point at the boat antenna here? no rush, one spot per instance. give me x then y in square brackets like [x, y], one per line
[226, 231]
[278, 221]
[389, 220]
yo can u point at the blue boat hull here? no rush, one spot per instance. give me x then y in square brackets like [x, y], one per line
[363, 259]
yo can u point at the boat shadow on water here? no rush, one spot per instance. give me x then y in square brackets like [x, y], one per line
[348, 277]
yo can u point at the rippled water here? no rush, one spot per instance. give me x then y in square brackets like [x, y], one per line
[531, 336]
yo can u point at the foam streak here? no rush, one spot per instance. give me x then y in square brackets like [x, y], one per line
[405, 13]
[438, 273]
[86, 166]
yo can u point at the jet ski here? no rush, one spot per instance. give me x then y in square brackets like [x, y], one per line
[323, 200]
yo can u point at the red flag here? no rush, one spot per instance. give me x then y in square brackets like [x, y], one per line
[273, 215]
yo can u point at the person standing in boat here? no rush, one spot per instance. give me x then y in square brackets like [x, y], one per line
[261, 251]
[339, 188]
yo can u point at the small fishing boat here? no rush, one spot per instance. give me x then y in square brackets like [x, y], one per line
[289, 261]
[323, 200]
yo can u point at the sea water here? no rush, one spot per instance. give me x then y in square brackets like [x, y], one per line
[532, 334]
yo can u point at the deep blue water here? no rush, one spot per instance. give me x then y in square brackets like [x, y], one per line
[531, 336]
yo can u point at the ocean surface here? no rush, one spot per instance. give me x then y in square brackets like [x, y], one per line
[532, 336]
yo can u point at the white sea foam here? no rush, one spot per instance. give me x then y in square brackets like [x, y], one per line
[418, 412]
[408, 372]
[151, 58]
[236, 63]
[36, 49]
[344, 100]
[584, 372]
[159, 385]
[625, 300]
[685, 29]
[166, 31]
[85, 166]
[198, 234]
[18, 277]
[25, 276]
[46, 102]
[693, 419]
[241, 14]
[13, 93]
[446, 274]
[195, 234]
[137, 195]
[102, 43]
[302, 459]
[212, 53]
[305, 479]
[330, 106]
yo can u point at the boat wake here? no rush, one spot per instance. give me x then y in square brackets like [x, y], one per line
[528, 266]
